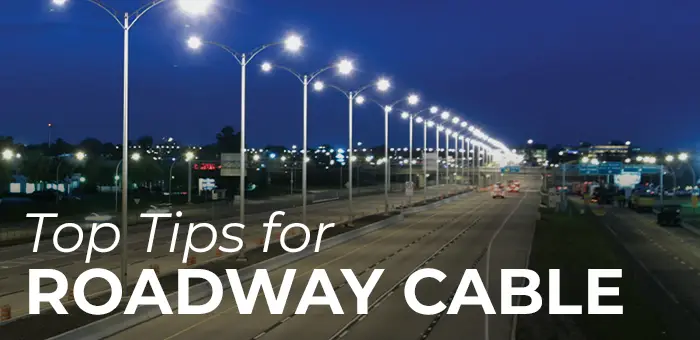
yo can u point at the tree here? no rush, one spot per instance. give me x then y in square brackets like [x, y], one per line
[61, 147]
[228, 141]
[145, 142]
[91, 146]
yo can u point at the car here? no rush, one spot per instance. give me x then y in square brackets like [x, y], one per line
[93, 218]
[497, 191]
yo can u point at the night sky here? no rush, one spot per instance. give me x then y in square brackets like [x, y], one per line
[554, 71]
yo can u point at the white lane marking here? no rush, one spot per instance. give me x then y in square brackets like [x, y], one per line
[488, 260]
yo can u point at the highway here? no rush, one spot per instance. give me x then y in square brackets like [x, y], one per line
[450, 238]
[17, 260]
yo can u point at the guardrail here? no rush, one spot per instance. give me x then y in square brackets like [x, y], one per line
[119, 322]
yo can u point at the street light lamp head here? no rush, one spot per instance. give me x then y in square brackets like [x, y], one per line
[360, 100]
[195, 7]
[669, 158]
[455, 134]
[419, 120]
[585, 160]
[464, 124]
[318, 85]
[440, 128]
[448, 131]
[59, 2]
[345, 67]
[413, 99]
[80, 156]
[529, 141]
[194, 43]
[189, 156]
[7, 154]
[293, 43]
[455, 120]
[627, 160]
[266, 67]
[383, 85]
[136, 156]
[388, 108]
[431, 123]
[434, 109]
[628, 143]
[683, 157]
[405, 115]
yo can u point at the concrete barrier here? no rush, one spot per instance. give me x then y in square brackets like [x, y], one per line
[119, 322]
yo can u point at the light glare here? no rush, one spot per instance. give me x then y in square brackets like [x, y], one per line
[445, 115]
[194, 43]
[404, 115]
[293, 43]
[195, 7]
[413, 99]
[345, 67]
[318, 85]
[383, 85]
[266, 67]
[59, 2]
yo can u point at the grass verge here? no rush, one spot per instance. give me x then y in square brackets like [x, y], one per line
[575, 243]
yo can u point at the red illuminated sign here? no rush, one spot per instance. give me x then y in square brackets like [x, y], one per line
[206, 166]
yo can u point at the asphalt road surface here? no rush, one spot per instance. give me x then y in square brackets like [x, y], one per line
[450, 238]
[17, 260]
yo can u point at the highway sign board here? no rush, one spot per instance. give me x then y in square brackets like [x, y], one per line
[231, 164]
[588, 169]
[510, 168]
[409, 188]
[610, 168]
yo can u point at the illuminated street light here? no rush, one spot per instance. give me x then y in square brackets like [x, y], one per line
[627, 160]
[561, 153]
[345, 67]
[455, 120]
[80, 156]
[256, 157]
[669, 158]
[194, 43]
[383, 85]
[126, 21]
[405, 115]
[434, 109]
[8, 154]
[463, 124]
[413, 99]
[360, 100]
[445, 115]
[419, 120]
[318, 86]
[585, 160]
[683, 157]
[628, 143]
[293, 43]
[266, 67]
[595, 161]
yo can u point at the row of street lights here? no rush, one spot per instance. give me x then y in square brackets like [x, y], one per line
[292, 44]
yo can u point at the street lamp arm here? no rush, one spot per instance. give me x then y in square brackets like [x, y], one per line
[256, 51]
[312, 76]
[292, 72]
[345, 93]
[226, 48]
[111, 11]
[141, 11]
[362, 89]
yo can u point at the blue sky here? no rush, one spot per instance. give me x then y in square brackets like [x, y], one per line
[554, 71]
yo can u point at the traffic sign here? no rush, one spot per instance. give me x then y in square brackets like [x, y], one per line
[588, 169]
[610, 168]
[510, 168]
[409, 188]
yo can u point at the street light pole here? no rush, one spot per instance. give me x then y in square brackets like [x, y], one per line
[425, 165]
[305, 83]
[170, 182]
[126, 23]
[350, 149]
[447, 156]
[437, 155]
[410, 154]
[189, 182]
[387, 161]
